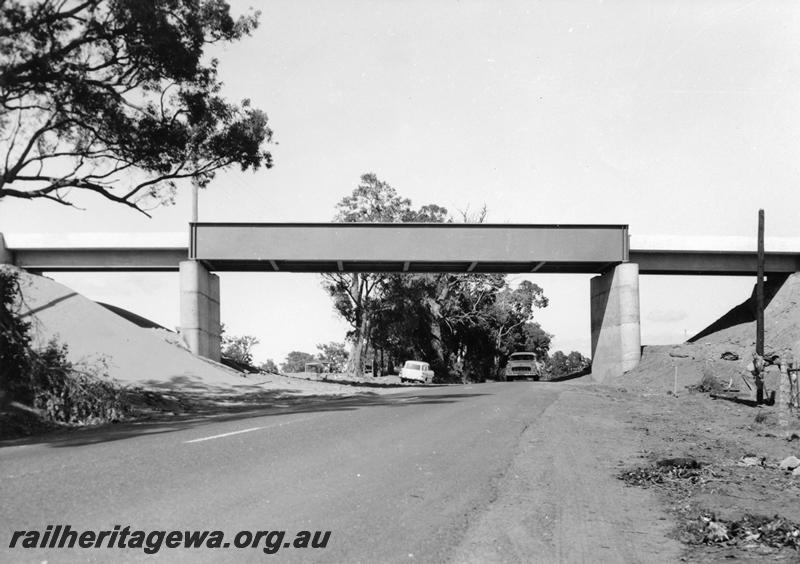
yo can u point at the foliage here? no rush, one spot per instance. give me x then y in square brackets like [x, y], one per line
[14, 340]
[509, 317]
[353, 294]
[464, 325]
[333, 353]
[534, 339]
[45, 380]
[269, 366]
[402, 324]
[376, 201]
[560, 364]
[66, 394]
[239, 348]
[116, 98]
[296, 361]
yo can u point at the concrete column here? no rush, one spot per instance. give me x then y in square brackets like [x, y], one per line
[616, 330]
[214, 328]
[6, 256]
[200, 326]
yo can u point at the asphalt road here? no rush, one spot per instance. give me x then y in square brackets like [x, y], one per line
[395, 478]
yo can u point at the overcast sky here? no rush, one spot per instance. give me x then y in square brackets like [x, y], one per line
[677, 118]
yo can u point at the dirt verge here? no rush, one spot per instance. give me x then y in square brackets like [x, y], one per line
[560, 501]
[738, 503]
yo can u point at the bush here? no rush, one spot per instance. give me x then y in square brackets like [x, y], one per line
[67, 395]
[14, 340]
[45, 380]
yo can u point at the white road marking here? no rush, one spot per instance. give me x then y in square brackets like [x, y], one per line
[224, 435]
[281, 424]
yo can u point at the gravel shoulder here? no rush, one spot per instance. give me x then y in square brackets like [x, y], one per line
[560, 499]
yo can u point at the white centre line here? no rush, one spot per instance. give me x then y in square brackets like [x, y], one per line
[224, 435]
[281, 424]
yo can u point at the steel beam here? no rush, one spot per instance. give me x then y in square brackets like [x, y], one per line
[408, 247]
[142, 259]
[727, 263]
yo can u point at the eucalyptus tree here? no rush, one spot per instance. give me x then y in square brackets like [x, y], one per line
[118, 98]
[354, 294]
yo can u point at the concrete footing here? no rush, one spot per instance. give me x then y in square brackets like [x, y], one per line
[200, 323]
[615, 322]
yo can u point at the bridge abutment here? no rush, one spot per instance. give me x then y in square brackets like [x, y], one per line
[615, 321]
[200, 321]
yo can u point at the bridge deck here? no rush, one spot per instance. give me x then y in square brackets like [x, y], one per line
[408, 247]
[399, 248]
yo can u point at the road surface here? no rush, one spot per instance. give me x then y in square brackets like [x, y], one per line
[505, 472]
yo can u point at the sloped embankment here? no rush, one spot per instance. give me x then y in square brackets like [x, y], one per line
[128, 353]
[733, 333]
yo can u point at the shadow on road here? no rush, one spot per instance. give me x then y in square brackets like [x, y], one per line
[191, 410]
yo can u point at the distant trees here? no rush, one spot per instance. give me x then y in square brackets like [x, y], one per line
[557, 364]
[238, 348]
[464, 324]
[269, 366]
[560, 364]
[510, 316]
[536, 340]
[335, 354]
[296, 361]
[528, 338]
[117, 98]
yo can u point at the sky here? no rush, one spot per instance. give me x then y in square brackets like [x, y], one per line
[676, 118]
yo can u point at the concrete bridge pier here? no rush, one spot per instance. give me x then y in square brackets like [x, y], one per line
[615, 322]
[5, 255]
[200, 322]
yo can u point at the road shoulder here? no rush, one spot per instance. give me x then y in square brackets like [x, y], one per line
[560, 500]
